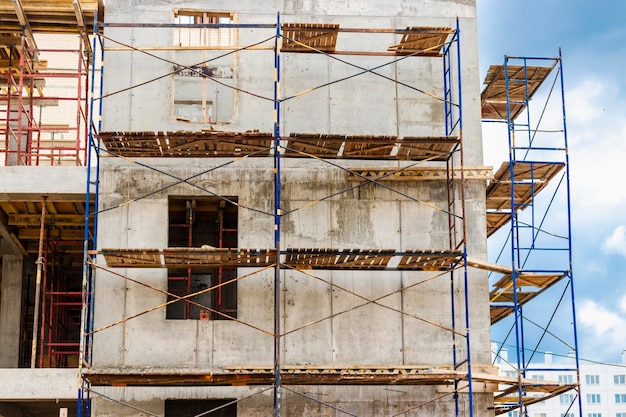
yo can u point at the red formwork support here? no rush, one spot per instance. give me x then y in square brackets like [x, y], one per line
[43, 111]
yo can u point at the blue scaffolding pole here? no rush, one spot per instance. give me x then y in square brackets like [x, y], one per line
[277, 219]
[91, 224]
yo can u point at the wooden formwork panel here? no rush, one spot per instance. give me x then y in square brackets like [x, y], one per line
[309, 37]
[425, 41]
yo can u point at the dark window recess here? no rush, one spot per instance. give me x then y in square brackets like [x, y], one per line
[194, 223]
[192, 408]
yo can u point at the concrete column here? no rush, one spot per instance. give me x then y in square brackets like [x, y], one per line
[10, 310]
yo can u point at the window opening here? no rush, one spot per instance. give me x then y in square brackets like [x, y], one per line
[198, 222]
[202, 36]
[197, 99]
[192, 408]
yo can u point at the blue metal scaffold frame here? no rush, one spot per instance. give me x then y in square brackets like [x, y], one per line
[455, 183]
[536, 155]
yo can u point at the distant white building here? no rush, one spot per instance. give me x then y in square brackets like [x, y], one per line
[602, 386]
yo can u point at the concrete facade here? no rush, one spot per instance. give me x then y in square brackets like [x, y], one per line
[367, 217]
[397, 331]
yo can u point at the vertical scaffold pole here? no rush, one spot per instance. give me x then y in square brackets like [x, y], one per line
[86, 319]
[277, 214]
[40, 270]
[450, 190]
[569, 234]
[514, 266]
[468, 343]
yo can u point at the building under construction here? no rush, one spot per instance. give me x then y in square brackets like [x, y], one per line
[245, 209]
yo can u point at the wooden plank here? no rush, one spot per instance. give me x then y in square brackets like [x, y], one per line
[488, 266]
[309, 37]
[430, 260]
[495, 220]
[526, 279]
[422, 41]
[338, 259]
[217, 257]
[523, 83]
[420, 173]
[498, 312]
[132, 258]
[50, 16]
[528, 171]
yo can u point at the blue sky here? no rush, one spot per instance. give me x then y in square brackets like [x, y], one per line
[591, 35]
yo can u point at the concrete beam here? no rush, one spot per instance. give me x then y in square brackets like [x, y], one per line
[33, 182]
[40, 383]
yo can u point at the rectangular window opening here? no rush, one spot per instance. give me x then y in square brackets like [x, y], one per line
[202, 78]
[192, 408]
[196, 222]
[203, 36]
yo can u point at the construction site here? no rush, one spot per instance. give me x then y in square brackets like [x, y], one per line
[214, 208]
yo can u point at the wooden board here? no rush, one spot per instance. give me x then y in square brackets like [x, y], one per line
[187, 144]
[253, 143]
[338, 259]
[495, 220]
[309, 37]
[213, 258]
[529, 178]
[516, 84]
[526, 279]
[132, 258]
[423, 41]
[419, 173]
[49, 16]
[301, 258]
[528, 171]
[430, 260]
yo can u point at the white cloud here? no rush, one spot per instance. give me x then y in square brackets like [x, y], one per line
[596, 129]
[603, 328]
[616, 242]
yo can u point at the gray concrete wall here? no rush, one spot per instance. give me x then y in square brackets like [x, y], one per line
[368, 217]
[33, 182]
[255, 401]
[382, 107]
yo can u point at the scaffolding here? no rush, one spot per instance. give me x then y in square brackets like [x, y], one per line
[40, 89]
[446, 152]
[536, 292]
